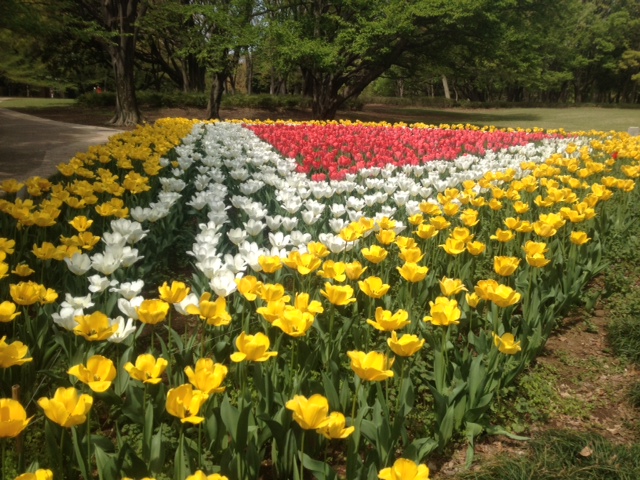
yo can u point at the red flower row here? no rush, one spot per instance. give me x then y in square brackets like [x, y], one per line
[335, 150]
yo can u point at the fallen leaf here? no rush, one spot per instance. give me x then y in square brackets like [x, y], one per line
[586, 452]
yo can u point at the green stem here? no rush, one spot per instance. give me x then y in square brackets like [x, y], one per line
[4, 458]
[89, 440]
[304, 432]
[355, 401]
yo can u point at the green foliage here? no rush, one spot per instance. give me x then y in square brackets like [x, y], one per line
[560, 455]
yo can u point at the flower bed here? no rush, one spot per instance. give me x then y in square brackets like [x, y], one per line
[371, 294]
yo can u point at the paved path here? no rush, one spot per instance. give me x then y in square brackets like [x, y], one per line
[35, 146]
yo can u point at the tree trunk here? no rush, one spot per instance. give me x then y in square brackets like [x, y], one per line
[215, 95]
[445, 85]
[249, 64]
[121, 16]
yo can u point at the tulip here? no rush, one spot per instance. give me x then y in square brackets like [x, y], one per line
[214, 313]
[147, 369]
[404, 469]
[208, 376]
[469, 217]
[98, 374]
[200, 475]
[426, 231]
[440, 223]
[184, 403]
[294, 322]
[410, 254]
[25, 293]
[152, 311]
[252, 348]
[371, 366]
[413, 272]
[13, 353]
[333, 271]
[95, 327]
[175, 293]
[67, 408]
[318, 249]
[476, 248]
[386, 237]
[373, 287]
[375, 253]
[453, 246]
[303, 304]
[386, 321]
[405, 346]
[444, 312]
[484, 287]
[272, 310]
[270, 264]
[506, 344]
[451, 286]
[8, 311]
[579, 238]
[310, 413]
[354, 270]
[81, 223]
[340, 295]
[13, 418]
[503, 236]
[472, 299]
[23, 270]
[505, 266]
[249, 286]
[335, 428]
[504, 296]
[40, 474]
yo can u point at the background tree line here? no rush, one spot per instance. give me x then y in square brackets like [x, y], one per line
[329, 50]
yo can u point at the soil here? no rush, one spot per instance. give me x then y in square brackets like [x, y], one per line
[589, 375]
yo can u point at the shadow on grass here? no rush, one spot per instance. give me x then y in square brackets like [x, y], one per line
[453, 117]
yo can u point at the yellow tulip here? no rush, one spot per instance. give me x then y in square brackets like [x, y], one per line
[303, 304]
[184, 403]
[404, 469]
[374, 287]
[333, 271]
[354, 270]
[249, 286]
[26, 293]
[271, 292]
[340, 295]
[579, 238]
[40, 474]
[252, 348]
[310, 413]
[505, 266]
[504, 296]
[13, 353]
[335, 428]
[472, 299]
[439, 223]
[412, 272]
[476, 248]
[506, 344]
[214, 313]
[200, 475]
[208, 376]
[451, 286]
[371, 366]
[152, 311]
[8, 311]
[503, 236]
[463, 234]
[469, 217]
[426, 231]
[429, 208]
[98, 374]
[375, 253]
[303, 263]
[270, 264]
[411, 255]
[272, 310]
[95, 327]
[23, 270]
[453, 246]
[175, 293]
[386, 237]
[81, 223]
[484, 287]
[13, 418]
[405, 346]
[294, 322]
[147, 368]
[318, 249]
[67, 408]
[387, 321]
[444, 312]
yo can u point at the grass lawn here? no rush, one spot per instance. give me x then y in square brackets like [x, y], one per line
[571, 119]
[36, 102]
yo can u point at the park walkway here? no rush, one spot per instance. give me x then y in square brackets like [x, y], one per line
[35, 146]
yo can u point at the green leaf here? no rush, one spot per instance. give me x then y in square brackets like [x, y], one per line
[157, 457]
[106, 464]
[320, 470]
[80, 450]
[147, 432]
